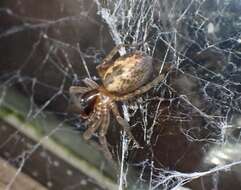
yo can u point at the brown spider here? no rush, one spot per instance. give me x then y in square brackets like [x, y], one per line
[123, 79]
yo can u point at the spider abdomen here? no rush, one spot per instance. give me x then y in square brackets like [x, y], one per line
[128, 73]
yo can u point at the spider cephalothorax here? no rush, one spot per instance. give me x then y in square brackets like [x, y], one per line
[122, 79]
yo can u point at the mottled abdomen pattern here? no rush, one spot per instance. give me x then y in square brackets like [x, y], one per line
[128, 73]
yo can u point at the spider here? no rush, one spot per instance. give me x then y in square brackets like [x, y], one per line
[122, 79]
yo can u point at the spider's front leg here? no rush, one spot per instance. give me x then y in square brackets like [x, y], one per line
[99, 120]
[75, 92]
[105, 121]
[90, 83]
[93, 123]
[123, 123]
[108, 60]
[115, 50]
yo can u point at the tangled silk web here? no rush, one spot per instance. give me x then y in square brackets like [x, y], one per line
[188, 125]
[201, 39]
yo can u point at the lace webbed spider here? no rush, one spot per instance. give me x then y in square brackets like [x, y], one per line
[122, 79]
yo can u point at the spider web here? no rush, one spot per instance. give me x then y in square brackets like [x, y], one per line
[188, 125]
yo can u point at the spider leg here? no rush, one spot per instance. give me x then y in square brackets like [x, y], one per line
[104, 144]
[74, 91]
[123, 123]
[90, 83]
[141, 90]
[105, 123]
[92, 128]
[78, 90]
[115, 50]
[108, 59]
[102, 134]
[94, 123]
[91, 118]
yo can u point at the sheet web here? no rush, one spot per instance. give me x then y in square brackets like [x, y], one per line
[188, 125]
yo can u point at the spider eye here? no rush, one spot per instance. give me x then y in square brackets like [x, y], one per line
[83, 103]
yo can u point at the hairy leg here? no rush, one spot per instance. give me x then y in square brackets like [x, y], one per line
[141, 90]
[113, 52]
[116, 49]
[74, 91]
[102, 133]
[90, 83]
[123, 123]
[78, 90]
[92, 128]
[105, 123]
[109, 58]
[104, 147]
